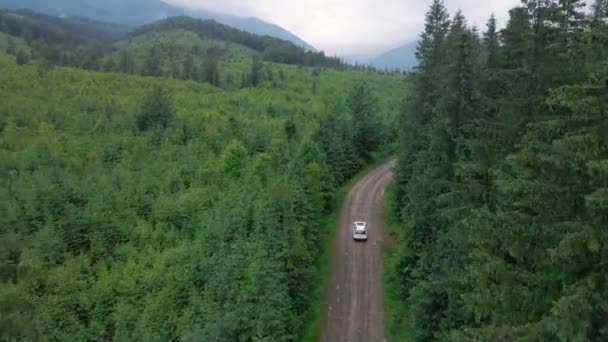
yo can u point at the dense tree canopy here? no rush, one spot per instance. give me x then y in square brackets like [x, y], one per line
[156, 209]
[501, 186]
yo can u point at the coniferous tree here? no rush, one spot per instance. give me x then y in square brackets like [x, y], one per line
[211, 69]
[109, 65]
[600, 13]
[501, 202]
[22, 57]
[189, 69]
[255, 76]
[418, 110]
[291, 129]
[570, 16]
[367, 131]
[517, 39]
[11, 47]
[153, 63]
[156, 110]
[126, 63]
[491, 45]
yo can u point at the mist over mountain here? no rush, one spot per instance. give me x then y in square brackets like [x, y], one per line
[140, 12]
[253, 25]
[402, 58]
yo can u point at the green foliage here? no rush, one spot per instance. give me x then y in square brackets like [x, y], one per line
[152, 65]
[23, 57]
[211, 68]
[11, 47]
[501, 180]
[126, 63]
[156, 110]
[142, 208]
[235, 159]
[368, 132]
[255, 76]
[273, 49]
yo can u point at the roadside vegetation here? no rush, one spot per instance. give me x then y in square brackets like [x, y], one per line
[155, 207]
[397, 317]
[502, 185]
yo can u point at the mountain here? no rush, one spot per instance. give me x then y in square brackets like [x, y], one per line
[253, 25]
[402, 58]
[273, 49]
[53, 29]
[361, 59]
[53, 35]
[93, 45]
[140, 12]
[60, 8]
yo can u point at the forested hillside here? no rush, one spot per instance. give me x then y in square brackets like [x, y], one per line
[156, 209]
[274, 49]
[177, 47]
[142, 12]
[502, 183]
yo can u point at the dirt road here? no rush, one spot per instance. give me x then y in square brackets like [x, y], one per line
[355, 310]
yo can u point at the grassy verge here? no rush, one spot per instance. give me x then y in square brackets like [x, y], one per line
[397, 327]
[314, 325]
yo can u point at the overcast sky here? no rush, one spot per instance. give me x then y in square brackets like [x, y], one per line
[352, 27]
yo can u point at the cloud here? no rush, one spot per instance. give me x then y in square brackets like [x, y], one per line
[349, 27]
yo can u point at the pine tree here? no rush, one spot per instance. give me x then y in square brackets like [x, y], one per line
[523, 94]
[429, 54]
[291, 129]
[457, 172]
[189, 69]
[600, 13]
[153, 63]
[245, 81]
[503, 201]
[211, 69]
[126, 63]
[336, 141]
[156, 111]
[417, 111]
[11, 47]
[367, 131]
[517, 38]
[22, 57]
[570, 15]
[109, 65]
[538, 247]
[491, 45]
[255, 76]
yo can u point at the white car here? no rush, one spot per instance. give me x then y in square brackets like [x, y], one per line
[360, 231]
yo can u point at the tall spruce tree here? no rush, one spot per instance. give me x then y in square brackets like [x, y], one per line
[491, 45]
[368, 132]
[600, 13]
[504, 202]
[418, 111]
[153, 63]
[255, 75]
[211, 68]
[11, 46]
[126, 63]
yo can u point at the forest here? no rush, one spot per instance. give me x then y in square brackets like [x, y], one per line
[147, 206]
[501, 189]
[84, 43]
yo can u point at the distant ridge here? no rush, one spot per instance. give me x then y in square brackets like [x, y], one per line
[402, 58]
[140, 12]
